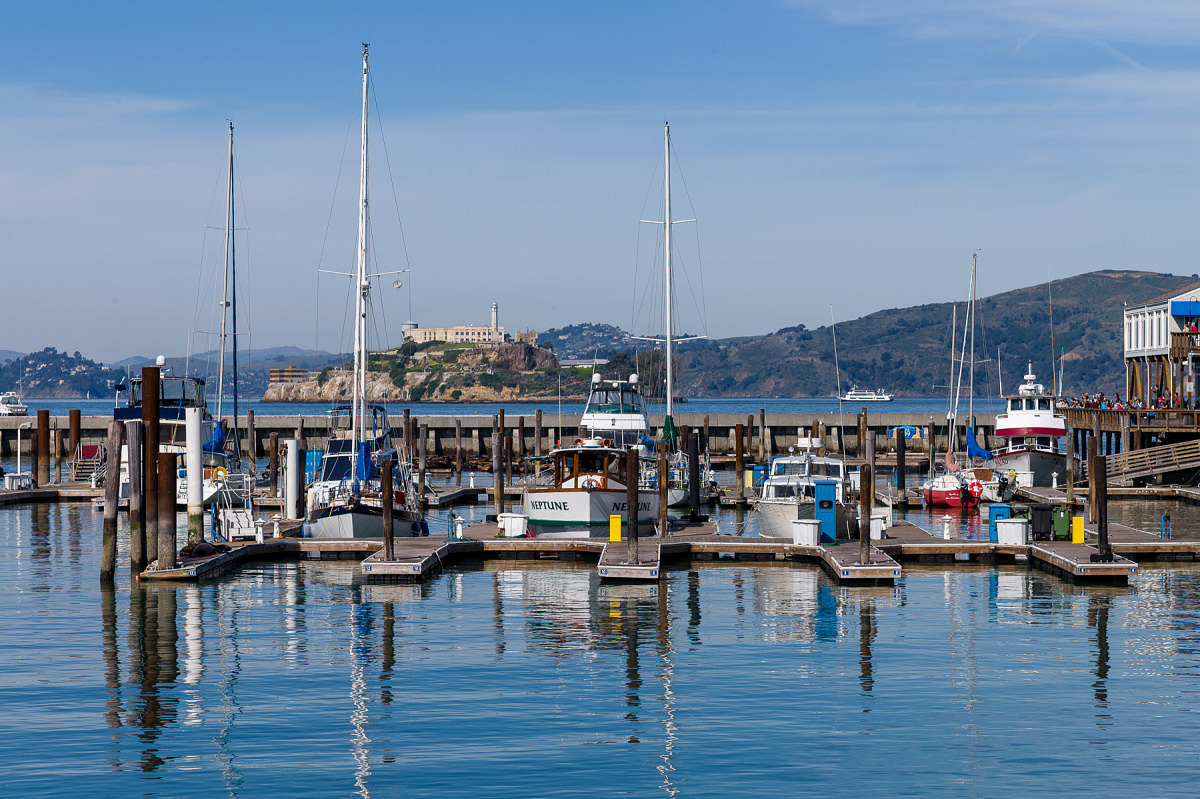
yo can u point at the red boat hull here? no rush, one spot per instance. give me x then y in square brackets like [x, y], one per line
[950, 498]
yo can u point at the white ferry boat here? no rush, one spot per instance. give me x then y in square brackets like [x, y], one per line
[856, 394]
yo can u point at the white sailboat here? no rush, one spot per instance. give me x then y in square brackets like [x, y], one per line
[226, 478]
[346, 499]
[677, 492]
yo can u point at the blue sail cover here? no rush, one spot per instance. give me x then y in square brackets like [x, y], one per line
[364, 469]
[973, 449]
[216, 444]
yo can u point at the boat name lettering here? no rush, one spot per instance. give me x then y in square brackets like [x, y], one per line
[620, 506]
[544, 505]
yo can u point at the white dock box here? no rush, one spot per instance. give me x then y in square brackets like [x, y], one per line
[806, 532]
[1012, 531]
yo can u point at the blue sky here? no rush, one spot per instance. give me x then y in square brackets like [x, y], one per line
[848, 153]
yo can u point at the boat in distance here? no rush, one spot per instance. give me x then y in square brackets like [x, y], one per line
[856, 394]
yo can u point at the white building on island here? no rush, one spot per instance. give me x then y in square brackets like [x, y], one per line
[460, 334]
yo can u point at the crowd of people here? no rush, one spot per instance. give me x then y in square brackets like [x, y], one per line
[1160, 400]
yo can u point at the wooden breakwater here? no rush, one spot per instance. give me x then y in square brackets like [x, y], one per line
[536, 433]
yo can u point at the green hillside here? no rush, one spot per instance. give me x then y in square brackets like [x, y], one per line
[907, 350]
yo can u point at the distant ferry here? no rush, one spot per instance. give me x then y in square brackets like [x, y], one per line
[856, 394]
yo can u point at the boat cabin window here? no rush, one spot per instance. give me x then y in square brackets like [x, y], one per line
[336, 467]
[826, 470]
[1043, 403]
[613, 400]
[789, 467]
[172, 391]
[1044, 441]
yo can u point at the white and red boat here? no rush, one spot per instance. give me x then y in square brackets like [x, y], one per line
[954, 488]
[1033, 430]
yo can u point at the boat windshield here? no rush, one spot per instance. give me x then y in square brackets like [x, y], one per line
[336, 467]
[615, 400]
[177, 392]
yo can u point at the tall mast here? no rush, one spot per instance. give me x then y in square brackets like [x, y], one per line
[225, 283]
[358, 408]
[971, 380]
[667, 262]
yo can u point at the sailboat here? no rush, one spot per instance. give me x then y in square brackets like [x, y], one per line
[677, 492]
[963, 485]
[346, 499]
[225, 477]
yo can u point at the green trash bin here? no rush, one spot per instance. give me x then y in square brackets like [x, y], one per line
[1062, 523]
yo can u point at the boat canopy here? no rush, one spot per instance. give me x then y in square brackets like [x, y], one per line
[973, 448]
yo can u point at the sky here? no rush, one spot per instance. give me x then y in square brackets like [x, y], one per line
[839, 156]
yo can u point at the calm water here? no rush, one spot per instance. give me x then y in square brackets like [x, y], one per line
[515, 680]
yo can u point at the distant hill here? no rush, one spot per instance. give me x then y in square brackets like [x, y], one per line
[51, 373]
[907, 350]
[8, 355]
[253, 366]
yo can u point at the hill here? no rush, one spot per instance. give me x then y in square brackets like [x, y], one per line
[907, 350]
[51, 373]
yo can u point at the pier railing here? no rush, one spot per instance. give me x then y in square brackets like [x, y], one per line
[1124, 467]
[1111, 421]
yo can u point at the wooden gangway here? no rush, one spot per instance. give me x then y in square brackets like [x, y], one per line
[1125, 467]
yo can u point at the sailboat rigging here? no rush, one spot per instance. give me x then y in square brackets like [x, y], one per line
[346, 499]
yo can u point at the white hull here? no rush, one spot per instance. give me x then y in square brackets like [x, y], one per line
[775, 517]
[1041, 464]
[558, 513]
[368, 523]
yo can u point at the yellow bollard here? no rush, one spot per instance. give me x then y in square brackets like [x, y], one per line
[614, 527]
[1076, 529]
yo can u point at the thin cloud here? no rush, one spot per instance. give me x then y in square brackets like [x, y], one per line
[1149, 21]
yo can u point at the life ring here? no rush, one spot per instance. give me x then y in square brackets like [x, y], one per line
[607, 442]
[591, 483]
[976, 488]
[219, 473]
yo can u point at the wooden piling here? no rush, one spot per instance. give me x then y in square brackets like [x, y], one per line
[865, 498]
[739, 465]
[631, 503]
[762, 435]
[1099, 477]
[273, 465]
[43, 447]
[693, 451]
[34, 449]
[251, 438]
[748, 430]
[862, 433]
[167, 543]
[498, 472]
[150, 423]
[704, 443]
[73, 425]
[521, 437]
[385, 475]
[537, 432]
[135, 434]
[901, 478]
[421, 461]
[112, 495]
[458, 452]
